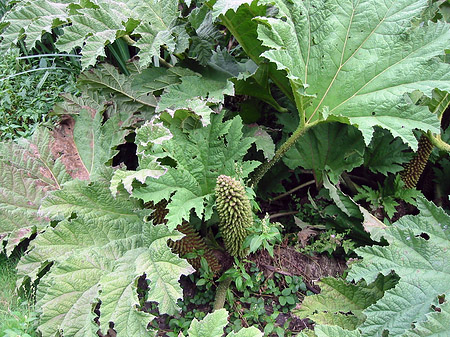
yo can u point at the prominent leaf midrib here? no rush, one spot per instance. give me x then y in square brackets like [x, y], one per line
[158, 16]
[388, 264]
[31, 171]
[121, 91]
[381, 73]
[118, 303]
[439, 105]
[350, 57]
[92, 209]
[309, 46]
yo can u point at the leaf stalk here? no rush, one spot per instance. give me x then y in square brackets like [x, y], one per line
[262, 169]
[438, 142]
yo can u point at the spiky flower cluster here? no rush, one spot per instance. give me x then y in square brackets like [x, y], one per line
[159, 212]
[413, 170]
[192, 242]
[235, 214]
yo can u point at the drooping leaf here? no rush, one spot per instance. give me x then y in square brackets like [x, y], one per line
[239, 21]
[263, 140]
[223, 60]
[92, 29]
[195, 92]
[326, 46]
[99, 251]
[107, 80]
[201, 156]
[416, 254]
[222, 6]
[152, 79]
[385, 154]
[148, 136]
[157, 29]
[93, 25]
[29, 172]
[32, 18]
[95, 140]
[203, 44]
[316, 150]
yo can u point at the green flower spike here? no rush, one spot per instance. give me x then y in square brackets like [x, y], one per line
[235, 214]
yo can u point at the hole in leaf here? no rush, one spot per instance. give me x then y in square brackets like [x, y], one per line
[424, 236]
[373, 113]
[435, 308]
[126, 155]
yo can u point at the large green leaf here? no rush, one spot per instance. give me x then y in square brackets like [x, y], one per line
[437, 324]
[93, 28]
[29, 172]
[238, 17]
[99, 251]
[106, 79]
[385, 154]
[96, 140]
[93, 25]
[196, 93]
[157, 29]
[316, 150]
[417, 253]
[33, 18]
[353, 61]
[201, 155]
[341, 303]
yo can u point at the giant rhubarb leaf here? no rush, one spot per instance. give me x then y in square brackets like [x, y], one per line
[96, 139]
[437, 324]
[92, 25]
[196, 93]
[99, 251]
[32, 18]
[353, 61]
[316, 150]
[341, 303]
[418, 253]
[201, 155]
[28, 173]
[107, 80]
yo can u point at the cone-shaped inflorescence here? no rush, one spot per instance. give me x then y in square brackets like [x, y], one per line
[413, 170]
[192, 242]
[235, 214]
[159, 212]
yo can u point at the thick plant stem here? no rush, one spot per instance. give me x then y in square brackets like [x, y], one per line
[262, 169]
[221, 293]
[438, 142]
